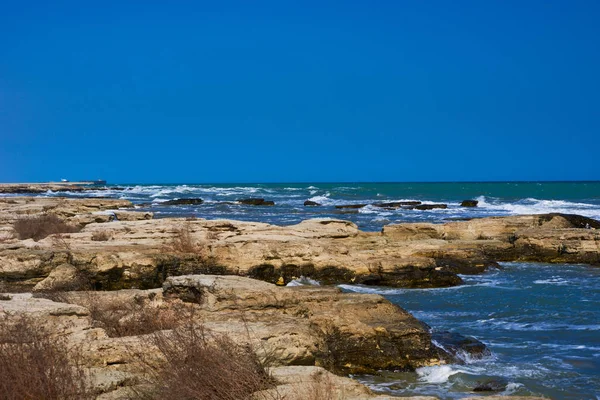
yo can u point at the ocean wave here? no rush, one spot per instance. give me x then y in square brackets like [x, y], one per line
[322, 199]
[437, 373]
[387, 292]
[537, 206]
[369, 209]
[303, 281]
[554, 280]
[536, 326]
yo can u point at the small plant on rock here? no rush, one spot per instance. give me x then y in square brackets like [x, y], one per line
[101, 236]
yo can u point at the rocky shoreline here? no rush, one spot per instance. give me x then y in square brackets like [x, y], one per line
[233, 274]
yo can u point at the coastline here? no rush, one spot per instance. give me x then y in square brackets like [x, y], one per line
[139, 254]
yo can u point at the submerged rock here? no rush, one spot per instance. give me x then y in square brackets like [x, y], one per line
[343, 206]
[492, 385]
[178, 202]
[461, 347]
[256, 202]
[427, 207]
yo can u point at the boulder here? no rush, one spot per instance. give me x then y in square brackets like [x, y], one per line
[469, 203]
[461, 347]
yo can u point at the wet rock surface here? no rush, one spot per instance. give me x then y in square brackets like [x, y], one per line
[256, 202]
[179, 202]
[469, 203]
[311, 203]
[461, 347]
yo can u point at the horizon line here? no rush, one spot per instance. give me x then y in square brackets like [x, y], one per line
[360, 182]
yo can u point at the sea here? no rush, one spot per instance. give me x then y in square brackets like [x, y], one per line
[541, 322]
[495, 199]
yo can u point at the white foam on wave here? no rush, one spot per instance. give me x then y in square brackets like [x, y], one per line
[386, 292]
[554, 280]
[536, 326]
[369, 209]
[436, 374]
[322, 199]
[569, 346]
[537, 206]
[303, 281]
[157, 191]
[512, 388]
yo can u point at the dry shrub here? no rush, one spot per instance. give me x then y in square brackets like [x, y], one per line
[183, 242]
[39, 226]
[34, 365]
[59, 241]
[100, 236]
[199, 365]
[118, 316]
[122, 318]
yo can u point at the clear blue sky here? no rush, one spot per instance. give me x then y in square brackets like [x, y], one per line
[253, 91]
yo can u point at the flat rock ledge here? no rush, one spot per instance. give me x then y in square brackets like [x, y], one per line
[118, 248]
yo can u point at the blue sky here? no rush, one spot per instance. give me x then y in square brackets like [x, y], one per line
[284, 91]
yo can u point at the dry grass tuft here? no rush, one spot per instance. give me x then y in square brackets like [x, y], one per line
[101, 236]
[199, 365]
[40, 226]
[34, 365]
[123, 318]
[183, 241]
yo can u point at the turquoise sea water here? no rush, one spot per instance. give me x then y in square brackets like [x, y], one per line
[508, 198]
